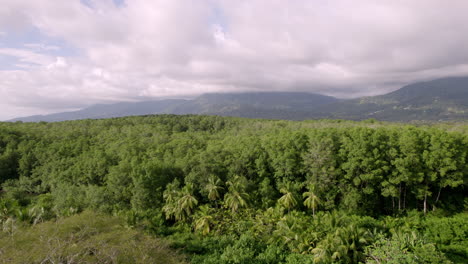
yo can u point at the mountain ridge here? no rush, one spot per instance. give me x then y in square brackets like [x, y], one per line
[438, 100]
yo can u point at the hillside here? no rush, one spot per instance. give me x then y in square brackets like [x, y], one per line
[109, 110]
[441, 99]
[437, 100]
[272, 105]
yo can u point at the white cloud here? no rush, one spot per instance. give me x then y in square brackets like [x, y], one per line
[26, 56]
[60, 62]
[178, 47]
[41, 47]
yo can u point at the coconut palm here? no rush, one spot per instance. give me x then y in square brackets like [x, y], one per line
[186, 203]
[213, 188]
[345, 245]
[312, 201]
[288, 233]
[354, 239]
[324, 252]
[288, 200]
[236, 196]
[203, 220]
[169, 210]
[171, 195]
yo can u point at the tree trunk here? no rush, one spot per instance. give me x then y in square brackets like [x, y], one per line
[437, 199]
[399, 198]
[404, 198]
[425, 202]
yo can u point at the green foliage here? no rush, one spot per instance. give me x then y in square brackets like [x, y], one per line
[311, 200]
[213, 188]
[289, 199]
[228, 190]
[69, 199]
[236, 197]
[404, 249]
[449, 235]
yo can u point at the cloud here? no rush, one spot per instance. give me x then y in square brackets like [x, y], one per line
[41, 47]
[186, 47]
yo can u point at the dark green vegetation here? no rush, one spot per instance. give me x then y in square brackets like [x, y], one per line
[442, 99]
[230, 190]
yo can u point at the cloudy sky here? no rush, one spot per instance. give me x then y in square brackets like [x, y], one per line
[58, 55]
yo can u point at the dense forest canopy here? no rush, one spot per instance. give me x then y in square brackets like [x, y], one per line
[232, 190]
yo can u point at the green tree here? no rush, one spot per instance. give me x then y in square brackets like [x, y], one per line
[311, 199]
[236, 197]
[320, 164]
[288, 199]
[213, 188]
[403, 249]
[445, 160]
[203, 220]
[171, 195]
[185, 204]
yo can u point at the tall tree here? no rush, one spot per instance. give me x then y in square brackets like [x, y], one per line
[186, 203]
[311, 199]
[445, 160]
[288, 200]
[203, 219]
[236, 197]
[171, 196]
[213, 188]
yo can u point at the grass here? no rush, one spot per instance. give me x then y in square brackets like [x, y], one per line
[85, 238]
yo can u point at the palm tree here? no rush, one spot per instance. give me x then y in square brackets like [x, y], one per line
[288, 200]
[346, 245]
[203, 221]
[353, 239]
[169, 210]
[236, 196]
[289, 233]
[312, 201]
[213, 188]
[186, 203]
[171, 195]
[331, 250]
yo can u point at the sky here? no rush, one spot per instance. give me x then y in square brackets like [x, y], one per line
[58, 55]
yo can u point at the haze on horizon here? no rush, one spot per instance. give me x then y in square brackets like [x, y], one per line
[60, 55]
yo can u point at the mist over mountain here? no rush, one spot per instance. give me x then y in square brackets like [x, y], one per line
[437, 100]
[441, 99]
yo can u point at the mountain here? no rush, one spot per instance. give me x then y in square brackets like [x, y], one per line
[109, 110]
[441, 99]
[273, 105]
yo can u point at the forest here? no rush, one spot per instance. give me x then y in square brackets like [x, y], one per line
[234, 190]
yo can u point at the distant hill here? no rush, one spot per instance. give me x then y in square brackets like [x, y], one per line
[109, 110]
[441, 99]
[274, 105]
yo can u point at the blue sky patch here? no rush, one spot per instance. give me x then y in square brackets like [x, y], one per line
[34, 40]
